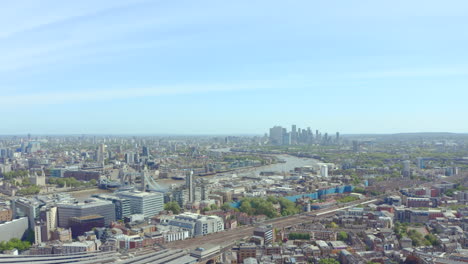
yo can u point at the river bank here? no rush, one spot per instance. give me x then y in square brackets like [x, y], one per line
[290, 162]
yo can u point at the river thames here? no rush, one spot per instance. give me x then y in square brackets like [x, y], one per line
[290, 162]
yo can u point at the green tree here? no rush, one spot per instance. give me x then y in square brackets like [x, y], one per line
[30, 236]
[347, 199]
[172, 206]
[432, 239]
[15, 243]
[246, 207]
[226, 207]
[26, 182]
[450, 192]
[31, 190]
[328, 261]
[52, 180]
[359, 190]
[302, 236]
[213, 207]
[342, 236]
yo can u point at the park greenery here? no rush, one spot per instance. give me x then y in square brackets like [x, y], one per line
[342, 236]
[71, 182]
[404, 230]
[15, 174]
[347, 199]
[234, 158]
[359, 190]
[328, 261]
[262, 206]
[299, 236]
[226, 207]
[450, 192]
[15, 243]
[30, 190]
[172, 206]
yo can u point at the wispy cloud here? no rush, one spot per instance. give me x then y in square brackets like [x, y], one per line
[17, 17]
[65, 36]
[412, 73]
[64, 97]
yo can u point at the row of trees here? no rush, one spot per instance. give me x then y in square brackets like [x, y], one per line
[30, 190]
[232, 158]
[15, 243]
[71, 182]
[342, 236]
[15, 174]
[347, 199]
[401, 230]
[172, 206]
[302, 236]
[450, 192]
[259, 206]
[175, 207]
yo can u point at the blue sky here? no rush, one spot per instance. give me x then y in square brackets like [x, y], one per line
[231, 67]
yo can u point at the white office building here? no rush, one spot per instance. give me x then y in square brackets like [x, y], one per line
[198, 225]
[324, 171]
[147, 203]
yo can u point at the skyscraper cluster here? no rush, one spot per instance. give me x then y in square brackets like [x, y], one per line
[281, 137]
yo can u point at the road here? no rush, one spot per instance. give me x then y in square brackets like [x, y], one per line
[229, 236]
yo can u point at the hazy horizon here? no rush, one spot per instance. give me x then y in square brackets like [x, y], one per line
[225, 134]
[227, 68]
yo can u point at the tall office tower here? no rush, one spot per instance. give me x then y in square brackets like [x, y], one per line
[180, 196]
[337, 137]
[420, 162]
[190, 186]
[406, 168]
[49, 217]
[144, 175]
[203, 191]
[100, 153]
[316, 134]
[355, 146]
[286, 139]
[146, 203]
[300, 135]
[129, 157]
[145, 151]
[293, 134]
[276, 135]
[324, 171]
[33, 146]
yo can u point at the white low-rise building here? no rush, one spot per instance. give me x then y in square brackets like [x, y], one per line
[198, 225]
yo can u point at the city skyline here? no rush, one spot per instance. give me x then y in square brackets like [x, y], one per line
[140, 67]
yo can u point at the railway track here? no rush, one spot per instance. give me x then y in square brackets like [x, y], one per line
[228, 236]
